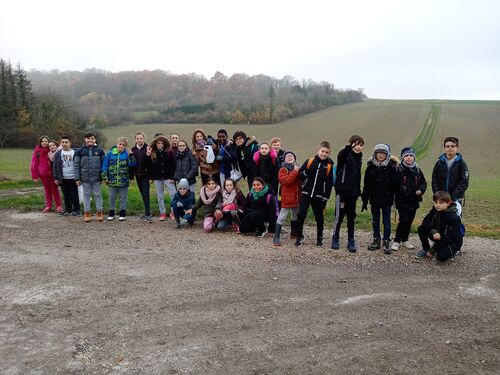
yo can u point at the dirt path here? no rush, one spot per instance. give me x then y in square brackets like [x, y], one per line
[140, 299]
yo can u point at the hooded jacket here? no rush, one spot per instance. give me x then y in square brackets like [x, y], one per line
[290, 187]
[380, 183]
[317, 182]
[40, 163]
[409, 180]
[454, 180]
[162, 161]
[245, 156]
[447, 223]
[200, 154]
[115, 167]
[348, 180]
[267, 167]
[88, 164]
[186, 166]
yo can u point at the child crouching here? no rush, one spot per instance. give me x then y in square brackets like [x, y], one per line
[209, 197]
[230, 206]
[182, 204]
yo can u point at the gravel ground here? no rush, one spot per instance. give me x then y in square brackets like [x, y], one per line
[148, 299]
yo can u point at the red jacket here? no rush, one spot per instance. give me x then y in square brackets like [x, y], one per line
[40, 163]
[290, 187]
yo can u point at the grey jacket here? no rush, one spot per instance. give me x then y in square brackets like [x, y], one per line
[87, 163]
[186, 166]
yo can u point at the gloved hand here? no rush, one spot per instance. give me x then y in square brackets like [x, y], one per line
[179, 204]
[364, 206]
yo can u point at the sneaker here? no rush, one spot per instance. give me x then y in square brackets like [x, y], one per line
[87, 216]
[59, 209]
[162, 217]
[148, 219]
[387, 246]
[142, 217]
[76, 213]
[335, 243]
[99, 216]
[110, 218]
[63, 213]
[421, 254]
[351, 245]
[172, 216]
[319, 241]
[375, 245]
[300, 240]
[183, 222]
[177, 224]
[395, 246]
[122, 218]
[263, 233]
[408, 245]
[46, 210]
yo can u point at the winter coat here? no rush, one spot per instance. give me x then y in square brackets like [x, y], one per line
[88, 164]
[380, 184]
[227, 157]
[186, 166]
[290, 187]
[448, 224]
[267, 167]
[245, 157]
[143, 167]
[454, 180]
[239, 200]
[267, 205]
[200, 154]
[40, 163]
[317, 179]
[202, 210]
[163, 165]
[57, 165]
[348, 174]
[409, 180]
[187, 200]
[115, 167]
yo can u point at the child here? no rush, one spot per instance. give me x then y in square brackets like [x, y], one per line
[162, 172]
[41, 170]
[379, 188]
[88, 165]
[53, 148]
[267, 166]
[207, 168]
[290, 195]
[411, 187]
[142, 155]
[443, 226]
[347, 189]
[174, 141]
[115, 173]
[277, 145]
[245, 149]
[182, 204]
[226, 155]
[209, 197]
[186, 165]
[260, 209]
[317, 181]
[230, 206]
[64, 175]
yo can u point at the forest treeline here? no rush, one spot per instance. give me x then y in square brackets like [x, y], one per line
[25, 114]
[109, 99]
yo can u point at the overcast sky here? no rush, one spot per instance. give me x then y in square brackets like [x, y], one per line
[393, 49]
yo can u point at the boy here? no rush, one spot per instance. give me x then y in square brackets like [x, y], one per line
[115, 173]
[348, 189]
[87, 168]
[277, 145]
[317, 181]
[174, 141]
[450, 172]
[141, 171]
[443, 226]
[64, 176]
[245, 149]
[182, 204]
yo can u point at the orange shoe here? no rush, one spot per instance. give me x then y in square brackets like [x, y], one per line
[99, 216]
[46, 210]
[87, 216]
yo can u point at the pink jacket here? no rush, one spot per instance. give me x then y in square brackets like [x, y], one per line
[40, 163]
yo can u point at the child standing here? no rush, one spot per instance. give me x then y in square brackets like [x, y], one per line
[115, 173]
[290, 195]
[245, 149]
[141, 171]
[347, 189]
[317, 181]
[174, 141]
[88, 165]
[208, 168]
[411, 187]
[207, 203]
[162, 172]
[64, 174]
[260, 209]
[230, 206]
[226, 155]
[41, 170]
[186, 165]
[443, 226]
[267, 166]
[182, 204]
[277, 146]
[379, 187]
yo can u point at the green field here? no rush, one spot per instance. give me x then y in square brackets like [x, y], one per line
[398, 123]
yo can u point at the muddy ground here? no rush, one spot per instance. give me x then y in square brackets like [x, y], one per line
[135, 298]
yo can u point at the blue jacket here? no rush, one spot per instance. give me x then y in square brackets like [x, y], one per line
[116, 167]
[186, 200]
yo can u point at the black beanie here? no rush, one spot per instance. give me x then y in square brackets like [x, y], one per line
[239, 133]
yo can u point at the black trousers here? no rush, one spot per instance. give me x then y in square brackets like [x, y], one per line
[443, 251]
[318, 206]
[253, 221]
[143, 185]
[344, 206]
[406, 216]
[70, 192]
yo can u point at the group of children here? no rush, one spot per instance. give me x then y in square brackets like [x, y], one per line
[277, 186]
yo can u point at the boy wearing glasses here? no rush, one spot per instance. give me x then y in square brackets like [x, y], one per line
[450, 172]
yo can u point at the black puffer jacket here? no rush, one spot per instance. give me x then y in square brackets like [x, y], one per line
[163, 166]
[186, 166]
[447, 223]
[380, 184]
[409, 180]
[348, 180]
[317, 178]
[454, 180]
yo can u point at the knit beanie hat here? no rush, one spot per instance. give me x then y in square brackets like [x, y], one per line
[289, 152]
[382, 148]
[183, 183]
[407, 151]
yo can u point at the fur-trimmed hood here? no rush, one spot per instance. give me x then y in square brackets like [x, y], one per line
[272, 154]
[165, 140]
[250, 140]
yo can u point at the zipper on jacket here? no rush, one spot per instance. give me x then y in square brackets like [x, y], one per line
[315, 179]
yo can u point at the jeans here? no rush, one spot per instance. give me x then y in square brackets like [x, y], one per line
[95, 189]
[386, 219]
[284, 213]
[160, 191]
[122, 192]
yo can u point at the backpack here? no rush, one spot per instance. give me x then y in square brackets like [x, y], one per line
[328, 167]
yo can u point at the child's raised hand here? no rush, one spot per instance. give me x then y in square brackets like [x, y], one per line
[436, 236]
[148, 150]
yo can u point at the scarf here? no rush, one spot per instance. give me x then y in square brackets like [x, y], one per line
[228, 198]
[208, 196]
[411, 166]
[200, 144]
[261, 193]
[289, 166]
[380, 163]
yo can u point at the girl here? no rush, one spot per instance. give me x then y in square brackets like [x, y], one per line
[162, 172]
[41, 170]
[290, 195]
[186, 165]
[53, 148]
[182, 204]
[209, 197]
[267, 165]
[230, 206]
[115, 173]
[207, 169]
[260, 209]
[142, 154]
[411, 187]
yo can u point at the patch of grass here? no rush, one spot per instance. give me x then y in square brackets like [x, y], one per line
[15, 163]
[17, 184]
[424, 138]
[141, 115]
